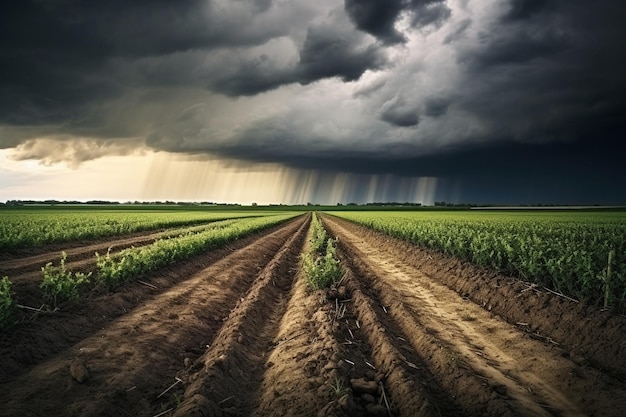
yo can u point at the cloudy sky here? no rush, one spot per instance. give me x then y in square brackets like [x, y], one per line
[326, 101]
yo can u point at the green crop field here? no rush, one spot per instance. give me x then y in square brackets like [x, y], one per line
[567, 251]
[35, 226]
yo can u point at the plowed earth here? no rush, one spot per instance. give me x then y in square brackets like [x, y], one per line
[237, 332]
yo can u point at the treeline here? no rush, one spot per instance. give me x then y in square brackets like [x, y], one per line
[18, 203]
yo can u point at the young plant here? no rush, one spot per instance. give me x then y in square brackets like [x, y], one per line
[320, 263]
[339, 388]
[61, 285]
[6, 302]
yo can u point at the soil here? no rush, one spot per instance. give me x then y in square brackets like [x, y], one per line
[238, 332]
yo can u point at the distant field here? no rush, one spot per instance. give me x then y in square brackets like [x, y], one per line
[567, 251]
[32, 226]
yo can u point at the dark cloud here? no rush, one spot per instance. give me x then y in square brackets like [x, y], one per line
[59, 57]
[378, 17]
[512, 89]
[326, 55]
[329, 51]
[436, 106]
[523, 9]
[400, 113]
[550, 77]
[428, 12]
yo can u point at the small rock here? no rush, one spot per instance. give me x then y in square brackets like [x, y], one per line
[79, 370]
[376, 410]
[240, 339]
[362, 385]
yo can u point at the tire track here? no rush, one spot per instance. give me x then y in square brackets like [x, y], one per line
[137, 356]
[489, 366]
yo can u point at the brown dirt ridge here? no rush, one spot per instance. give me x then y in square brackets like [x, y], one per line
[238, 332]
[473, 358]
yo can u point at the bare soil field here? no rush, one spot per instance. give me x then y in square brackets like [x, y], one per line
[238, 332]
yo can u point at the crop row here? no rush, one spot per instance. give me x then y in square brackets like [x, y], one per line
[320, 263]
[27, 229]
[60, 285]
[582, 255]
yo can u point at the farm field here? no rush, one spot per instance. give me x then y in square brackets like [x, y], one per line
[236, 330]
[30, 227]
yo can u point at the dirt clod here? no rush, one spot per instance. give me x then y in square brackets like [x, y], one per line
[79, 370]
[346, 402]
[376, 410]
[368, 398]
[363, 386]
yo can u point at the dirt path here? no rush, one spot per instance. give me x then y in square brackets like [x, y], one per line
[469, 359]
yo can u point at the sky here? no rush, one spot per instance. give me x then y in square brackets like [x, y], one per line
[326, 101]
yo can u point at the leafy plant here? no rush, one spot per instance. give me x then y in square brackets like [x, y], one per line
[339, 388]
[563, 251]
[61, 285]
[131, 263]
[6, 302]
[320, 263]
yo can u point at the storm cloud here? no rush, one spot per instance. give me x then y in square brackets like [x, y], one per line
[454, 89]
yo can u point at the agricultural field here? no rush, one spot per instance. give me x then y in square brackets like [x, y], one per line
[578, 253]
[27, 227]
[311, 314]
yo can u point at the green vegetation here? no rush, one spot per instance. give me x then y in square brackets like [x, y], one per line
[6, 302]
[31, 227]
[320, 262]
[60, 285]
[567, 251]
[134, 262]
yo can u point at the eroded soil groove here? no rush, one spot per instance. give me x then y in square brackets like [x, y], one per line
[135, 358]
[479, 364]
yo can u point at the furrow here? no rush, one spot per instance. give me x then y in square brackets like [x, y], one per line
[297, 377]
[135, 358]
[412, 390]
[489, 366]
[232, 366]
[41, 336]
